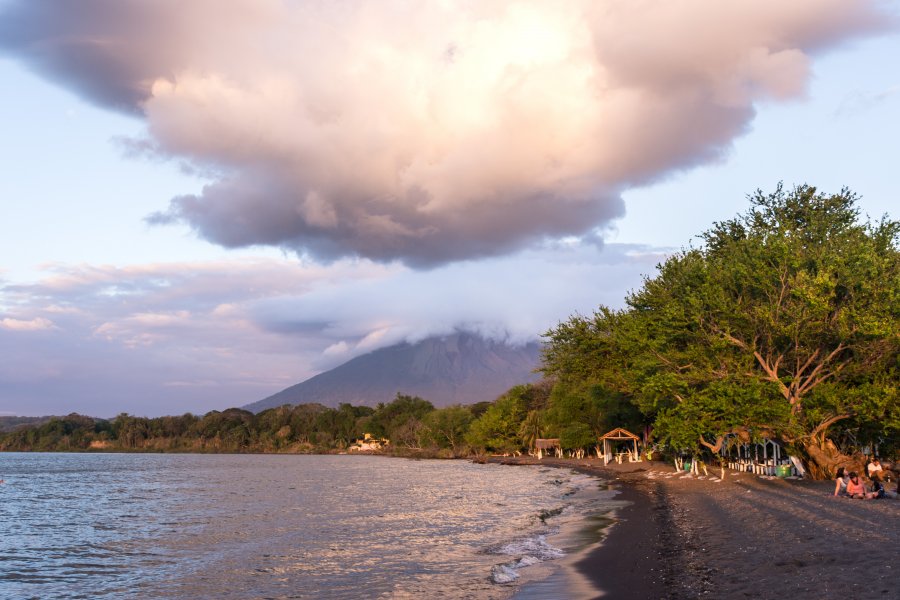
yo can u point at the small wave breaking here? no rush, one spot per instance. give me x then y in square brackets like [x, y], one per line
[530, 551]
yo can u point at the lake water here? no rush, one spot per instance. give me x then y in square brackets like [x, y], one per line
[276, 526]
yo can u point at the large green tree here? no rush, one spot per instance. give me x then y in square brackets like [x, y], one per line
[804, 293]
[784, 323]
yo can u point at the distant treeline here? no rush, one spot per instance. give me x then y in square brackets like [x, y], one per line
[413, 426]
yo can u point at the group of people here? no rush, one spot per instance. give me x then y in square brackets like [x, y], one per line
[850, 485]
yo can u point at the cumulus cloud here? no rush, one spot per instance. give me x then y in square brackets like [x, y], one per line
[36, 324]
[428, 132]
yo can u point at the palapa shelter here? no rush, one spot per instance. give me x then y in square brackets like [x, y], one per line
[547, 445]
[616, 435]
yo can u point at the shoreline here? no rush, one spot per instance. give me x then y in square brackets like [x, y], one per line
[686, 537]
[626, 563]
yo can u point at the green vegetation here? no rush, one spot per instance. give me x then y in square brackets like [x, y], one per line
[411, 423]
[784, 324]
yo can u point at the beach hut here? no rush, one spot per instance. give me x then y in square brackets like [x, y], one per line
[547, 446]
[611, 441]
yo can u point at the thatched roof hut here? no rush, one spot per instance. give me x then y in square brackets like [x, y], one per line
[618, 435]
[547, 446]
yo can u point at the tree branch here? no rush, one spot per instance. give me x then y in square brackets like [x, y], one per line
[739, 343]
[773, 375]
[799, 373]
[822, 427]
[813, 379]
[714, 448]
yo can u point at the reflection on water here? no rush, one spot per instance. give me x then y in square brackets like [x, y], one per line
[247, 526]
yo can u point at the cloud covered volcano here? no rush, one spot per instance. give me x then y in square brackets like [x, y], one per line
[427, 132]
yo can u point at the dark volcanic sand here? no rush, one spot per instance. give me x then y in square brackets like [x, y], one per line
[744, 537]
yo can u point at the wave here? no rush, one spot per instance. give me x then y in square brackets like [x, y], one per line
[529, 551]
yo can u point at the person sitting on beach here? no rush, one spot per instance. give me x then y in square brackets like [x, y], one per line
[875, 470]
[877, 491]
[855, 487]
[840, 482]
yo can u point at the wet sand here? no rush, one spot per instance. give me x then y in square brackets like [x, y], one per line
[744, 537]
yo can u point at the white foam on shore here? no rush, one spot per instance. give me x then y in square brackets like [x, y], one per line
[530, 551]
[535, 547]
[585, 506]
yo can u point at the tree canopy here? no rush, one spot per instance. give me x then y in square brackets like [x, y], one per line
[784, 323]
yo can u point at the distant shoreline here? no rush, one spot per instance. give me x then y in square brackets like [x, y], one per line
[424, 454]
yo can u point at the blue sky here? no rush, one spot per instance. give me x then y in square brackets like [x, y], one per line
[102, 312]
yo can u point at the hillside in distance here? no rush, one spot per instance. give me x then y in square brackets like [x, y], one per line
[461, 368]
[10, 423]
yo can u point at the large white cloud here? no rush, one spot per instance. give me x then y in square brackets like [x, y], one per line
[428, 131]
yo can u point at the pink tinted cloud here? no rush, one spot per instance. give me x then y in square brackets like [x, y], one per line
[436, 131]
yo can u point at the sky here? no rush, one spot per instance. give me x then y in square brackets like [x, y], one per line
[206, 202]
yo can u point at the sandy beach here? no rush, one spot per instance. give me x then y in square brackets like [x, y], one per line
[744, 537]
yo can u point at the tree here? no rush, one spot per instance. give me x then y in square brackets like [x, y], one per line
[304, 420]
[447, 427]
[498, 428]
[806, 294]
[532, 428]
[130, 431]
[786, 322]
[577, 436]
[401, 419]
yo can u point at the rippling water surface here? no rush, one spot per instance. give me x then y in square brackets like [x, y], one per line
[264, 526]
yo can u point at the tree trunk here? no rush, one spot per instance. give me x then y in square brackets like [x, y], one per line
[825, 459]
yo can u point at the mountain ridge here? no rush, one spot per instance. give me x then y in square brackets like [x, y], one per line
[460, 368]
